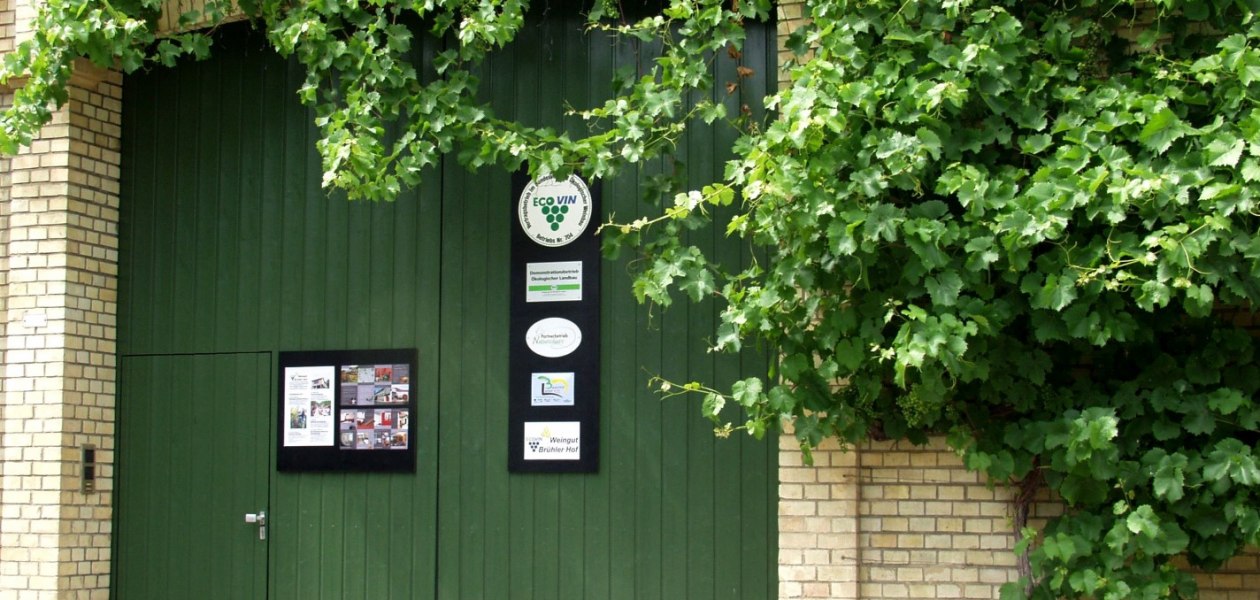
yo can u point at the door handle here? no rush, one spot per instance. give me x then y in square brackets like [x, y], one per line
[259, 518]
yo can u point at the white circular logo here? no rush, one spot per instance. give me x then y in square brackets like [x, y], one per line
[553, 337]
[554, 213]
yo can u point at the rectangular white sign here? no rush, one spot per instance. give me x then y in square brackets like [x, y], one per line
[553, 281]
[552, 440]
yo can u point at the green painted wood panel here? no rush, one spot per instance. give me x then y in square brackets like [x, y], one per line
[194, 458]
[229, 245]
[232, 247]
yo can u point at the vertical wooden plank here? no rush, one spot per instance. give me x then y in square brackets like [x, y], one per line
[277, 102]
[477, 283]
[760, 486]
[294, 174]
[502, 546]
[313, 262]
[622, 383]
[400, 516]
[347, 284]
[148, 548]
[130, 553]
[338, 543]
[423, 307]
[226, 247]
[175, 205]
[549, 545]
[623, 386]
[673, 452]
[254, 447]
[497, 488]
[192, 411]
[137, 248]
[525, 489]
[374, 559]
[244, 320]
[726, 567]
[229, 394]
[205, 215]
[450, 499]
[600, 536]
[649, 490]
[341, 502]
[380, 266]
[289, 537]
[297, 536]
[697, 149]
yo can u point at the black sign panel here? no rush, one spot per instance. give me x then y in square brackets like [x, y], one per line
[346, 410]
[553, 398]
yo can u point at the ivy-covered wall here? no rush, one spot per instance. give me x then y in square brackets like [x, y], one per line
[895, 520]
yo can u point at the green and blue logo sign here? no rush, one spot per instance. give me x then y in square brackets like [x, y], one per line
[551, 389]
[554, 213]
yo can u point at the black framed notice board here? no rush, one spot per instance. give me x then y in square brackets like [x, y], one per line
[346, 410]
[553, 355]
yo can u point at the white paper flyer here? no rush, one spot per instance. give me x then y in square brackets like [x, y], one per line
[308, 402]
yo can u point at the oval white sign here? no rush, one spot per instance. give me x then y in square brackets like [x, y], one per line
[553, 337]
[555, 213]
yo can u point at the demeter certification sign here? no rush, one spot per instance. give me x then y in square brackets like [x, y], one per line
[554, 213]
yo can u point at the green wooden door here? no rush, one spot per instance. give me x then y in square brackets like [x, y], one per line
[228, 244]
[193, 459]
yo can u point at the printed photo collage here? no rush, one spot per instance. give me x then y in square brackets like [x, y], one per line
[373, 408]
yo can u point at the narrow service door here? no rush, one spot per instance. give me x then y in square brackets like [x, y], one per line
[191, 477]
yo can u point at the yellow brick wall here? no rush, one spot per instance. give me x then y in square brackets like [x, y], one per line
[819, 549]
[892, 520]
[929, 529]
[896, 521]
[58, 294]
[1239, 579]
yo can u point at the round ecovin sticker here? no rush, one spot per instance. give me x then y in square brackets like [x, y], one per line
[554, 213]
[553, 337]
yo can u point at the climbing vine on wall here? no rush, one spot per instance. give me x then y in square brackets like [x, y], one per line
[1030, 225]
